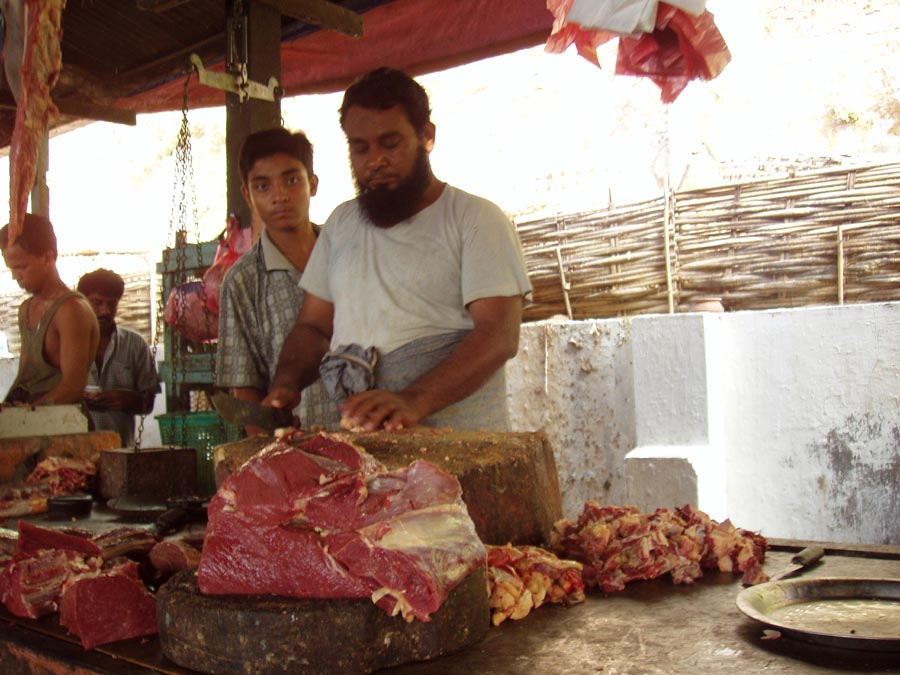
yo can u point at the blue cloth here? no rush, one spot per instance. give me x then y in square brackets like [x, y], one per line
[352, 369]
[348, 370]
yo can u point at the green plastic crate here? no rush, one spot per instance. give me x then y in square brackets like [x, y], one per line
[202, 431]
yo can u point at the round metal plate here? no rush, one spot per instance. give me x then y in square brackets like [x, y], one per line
[850, 613]
[139, 508]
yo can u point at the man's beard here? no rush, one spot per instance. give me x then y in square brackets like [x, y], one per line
[386, 207]
[106, 325]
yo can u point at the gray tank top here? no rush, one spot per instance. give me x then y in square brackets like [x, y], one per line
[36, 376]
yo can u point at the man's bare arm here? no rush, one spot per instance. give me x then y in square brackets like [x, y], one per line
[304, 347]
[493, 341]
[72, 336]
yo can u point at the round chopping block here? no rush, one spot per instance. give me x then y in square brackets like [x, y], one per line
[266, 635]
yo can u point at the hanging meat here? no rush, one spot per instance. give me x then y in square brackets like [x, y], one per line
[33, 39]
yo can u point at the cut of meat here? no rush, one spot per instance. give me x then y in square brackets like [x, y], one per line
[522, 578]
[124, 540]
[320, 518]
[63, 475]
[109, 606]
[411, 560]
[33, 539]
[41, 64]
[243, 556]
[52, 477]
[619, 544]
[173, 555]
[44, 560]
[9, 540]
[32, 586]
[266, 488]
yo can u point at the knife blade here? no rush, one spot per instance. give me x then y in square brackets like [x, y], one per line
[249, 413]
[804, 559]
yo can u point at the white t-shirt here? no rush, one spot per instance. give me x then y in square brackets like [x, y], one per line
[392, 286]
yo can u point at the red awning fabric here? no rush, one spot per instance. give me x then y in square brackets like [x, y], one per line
[417, 36]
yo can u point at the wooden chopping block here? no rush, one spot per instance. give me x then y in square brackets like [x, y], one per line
[268, 635]
[18, 456]
[148, 472]
[509, 480]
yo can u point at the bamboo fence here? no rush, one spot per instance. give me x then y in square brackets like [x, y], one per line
[828, 236]
[825, 237]
[134, 309]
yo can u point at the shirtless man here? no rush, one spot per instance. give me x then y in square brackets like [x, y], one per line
[58, 328]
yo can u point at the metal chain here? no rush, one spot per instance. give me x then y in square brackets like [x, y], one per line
[176, 241]
[186, 199]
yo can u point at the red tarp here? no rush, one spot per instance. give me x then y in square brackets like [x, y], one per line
[417, 36]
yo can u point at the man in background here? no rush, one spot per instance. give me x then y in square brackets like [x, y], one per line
[418, 281]
[122, 381]
[58, 330]
[260, 295]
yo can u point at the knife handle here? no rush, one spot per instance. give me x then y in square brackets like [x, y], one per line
[808, 556]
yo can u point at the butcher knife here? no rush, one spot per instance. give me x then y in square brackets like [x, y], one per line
[804, 559]
[249, 413]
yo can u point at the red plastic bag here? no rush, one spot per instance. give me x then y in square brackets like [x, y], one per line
[235, 243]
[186, 312]
[564, 34]
[681, 48]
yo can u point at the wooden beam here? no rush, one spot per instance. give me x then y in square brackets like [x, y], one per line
[158, 6]
[263, 61]
[92, 111]
[320, 13]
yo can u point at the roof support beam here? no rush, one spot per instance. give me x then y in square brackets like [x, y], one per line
[320, 13]
[257, 46]
[158, 5]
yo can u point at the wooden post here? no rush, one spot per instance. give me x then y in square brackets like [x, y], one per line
[565, 284]
[255, 33]
[667, 215]
[840, 264]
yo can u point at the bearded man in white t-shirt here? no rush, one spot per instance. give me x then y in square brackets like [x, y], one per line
[414, 290]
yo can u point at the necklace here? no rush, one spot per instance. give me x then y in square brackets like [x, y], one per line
[43, 304]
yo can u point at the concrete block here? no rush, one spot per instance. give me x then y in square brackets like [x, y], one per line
[43, 420]
[670, 476]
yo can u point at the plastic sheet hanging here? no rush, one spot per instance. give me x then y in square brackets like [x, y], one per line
[671, 43]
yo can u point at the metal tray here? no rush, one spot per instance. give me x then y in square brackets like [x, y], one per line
[849, 613]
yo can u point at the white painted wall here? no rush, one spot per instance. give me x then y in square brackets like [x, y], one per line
[574, 380]
[786, 421]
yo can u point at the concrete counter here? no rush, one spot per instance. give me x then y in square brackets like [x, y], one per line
[651, 627]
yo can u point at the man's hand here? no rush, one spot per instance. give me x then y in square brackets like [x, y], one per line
[377, 408]
[283, 396]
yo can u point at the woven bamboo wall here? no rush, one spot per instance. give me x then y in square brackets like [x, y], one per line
[823, 237]
[826, 237]
[134, 309]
